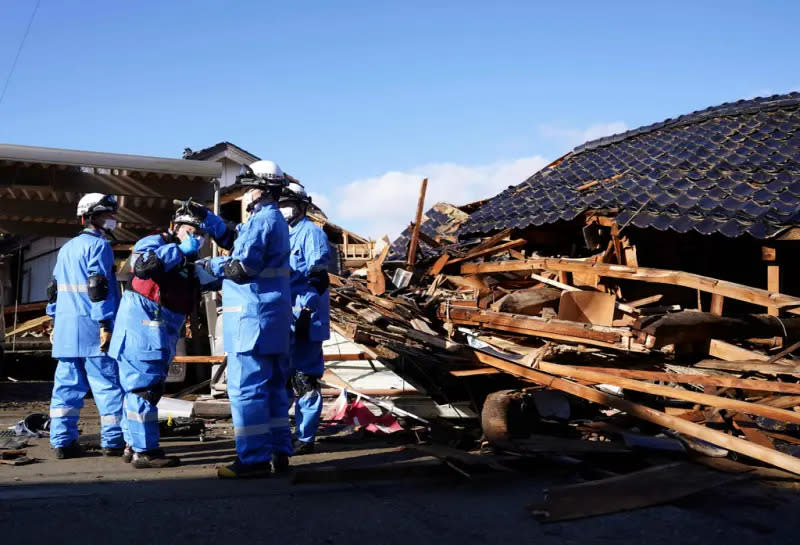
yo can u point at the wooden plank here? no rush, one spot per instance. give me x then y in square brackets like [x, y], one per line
[588, 307]
[199, 359]
[707, 284]
[376, 280]
[725, 382]
[778, 459]
[730, 352]
[412, 249]
[491, 241]
[750, 366]
[491, 251]
[670, 392]
[636, 490]
[474, 372]
[529, 302]
[645, 301]
[531, 323]
[626, 308]
[346, 357]
[440, 263]
[30, 325]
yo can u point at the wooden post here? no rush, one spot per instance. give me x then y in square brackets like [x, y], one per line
[412, 249]
[770, 256]
[717, 301]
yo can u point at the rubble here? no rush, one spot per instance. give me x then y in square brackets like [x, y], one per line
[473, 316]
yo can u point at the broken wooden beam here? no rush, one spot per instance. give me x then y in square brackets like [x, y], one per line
[412, 248]
[707, 284]
[608, 337]
[742, 446]
[491, 251]
[703, 380]
[718, 402]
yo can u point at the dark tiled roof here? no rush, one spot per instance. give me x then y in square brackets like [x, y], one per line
[441, 219]
[732, 169]
[205, 153]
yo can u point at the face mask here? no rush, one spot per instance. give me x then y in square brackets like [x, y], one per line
[110, 224]
[287, 212]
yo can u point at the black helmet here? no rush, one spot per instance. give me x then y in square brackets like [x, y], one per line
[190, 213]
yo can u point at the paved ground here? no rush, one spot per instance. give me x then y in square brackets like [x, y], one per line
[103, 500]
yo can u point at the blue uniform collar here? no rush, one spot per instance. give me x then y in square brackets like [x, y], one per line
[91, 232]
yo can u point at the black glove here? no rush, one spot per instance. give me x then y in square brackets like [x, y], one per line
[302, 324]
[319, 280]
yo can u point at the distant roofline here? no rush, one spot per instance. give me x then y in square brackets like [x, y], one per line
[726, 109]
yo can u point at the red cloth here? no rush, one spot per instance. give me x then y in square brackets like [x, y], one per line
[357, 414]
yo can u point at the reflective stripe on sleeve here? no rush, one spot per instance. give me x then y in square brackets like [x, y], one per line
[110, 420]
[249, 431]
[61, 412]
[152, 323]
[147, 417]
[74, 288]
[232, 309]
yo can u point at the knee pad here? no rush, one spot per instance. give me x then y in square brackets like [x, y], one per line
[234, 270]
[98, 288]
[151, 394]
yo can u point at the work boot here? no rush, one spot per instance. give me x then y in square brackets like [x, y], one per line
[154, 459]
[280, 462]
[73, 450]
[238, 470]
[127, 454]
[112, 452]
[303, 447]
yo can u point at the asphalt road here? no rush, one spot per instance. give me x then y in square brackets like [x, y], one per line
[99, 500]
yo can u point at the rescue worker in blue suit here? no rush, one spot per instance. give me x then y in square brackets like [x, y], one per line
[308, 261]
[164, 290]
[82, 299]
[256, 314]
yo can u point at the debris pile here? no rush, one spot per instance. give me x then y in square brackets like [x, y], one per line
[558, 358]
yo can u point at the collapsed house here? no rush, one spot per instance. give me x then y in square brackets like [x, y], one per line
[629, 273]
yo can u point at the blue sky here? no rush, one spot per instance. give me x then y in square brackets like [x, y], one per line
[360, 100]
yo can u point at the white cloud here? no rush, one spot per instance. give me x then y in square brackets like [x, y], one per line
[386, 204]
[571, 136]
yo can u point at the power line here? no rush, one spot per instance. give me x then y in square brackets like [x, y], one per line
[19, 51]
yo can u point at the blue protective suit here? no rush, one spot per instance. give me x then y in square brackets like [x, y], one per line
[76, 340]
[309, 255]
[256, 321]
[145, 336]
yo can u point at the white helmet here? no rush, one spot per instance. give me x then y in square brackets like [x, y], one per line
[95, 203]
[295, 192]
[267, 170]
